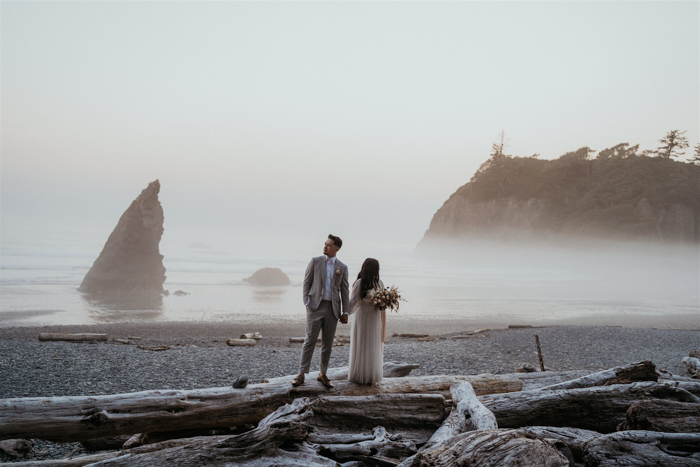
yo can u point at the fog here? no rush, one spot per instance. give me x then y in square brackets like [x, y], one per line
[273, 124]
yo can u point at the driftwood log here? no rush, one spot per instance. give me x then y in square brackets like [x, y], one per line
[642, 448]
[241, 342]
[664, 415]
[468, 414]
[600, 408]
[693, 366]
[380, 443]
[642, 371]
[390, 410]
[573, 438]
[391, 370]
[84, 337]
[76, 418]
[258, 447]
[487, 448]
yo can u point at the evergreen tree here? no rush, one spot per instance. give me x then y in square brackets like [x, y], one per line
[672, 144]
[696, 154]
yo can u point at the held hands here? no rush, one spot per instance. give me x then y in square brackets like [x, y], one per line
[344, 318]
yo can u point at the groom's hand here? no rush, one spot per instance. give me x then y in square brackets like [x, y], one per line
[344, 318]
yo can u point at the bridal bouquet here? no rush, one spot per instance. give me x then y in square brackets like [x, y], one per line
[387, 298]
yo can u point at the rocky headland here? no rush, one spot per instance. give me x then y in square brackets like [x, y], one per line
[268, 277]
[620, 194]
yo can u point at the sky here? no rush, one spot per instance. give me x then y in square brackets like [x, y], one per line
[299, 119]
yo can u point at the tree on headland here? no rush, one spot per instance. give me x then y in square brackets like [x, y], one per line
[696, 155]
[672, 144]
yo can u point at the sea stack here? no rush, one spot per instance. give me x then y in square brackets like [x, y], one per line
[130, 262]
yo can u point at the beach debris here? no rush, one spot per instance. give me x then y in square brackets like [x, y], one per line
[539, 352]
[241, 382]
[426, 339]
[694, 353]
[134, 338]
[241, 342]
[130, 262]
[519, 326]
[118, 341]
[16, 447]
[180, 293]
[82, 337]
[251, 335]
[410, 335]
[525, 368]
[268, 277]
[154, 348]
[692, 364]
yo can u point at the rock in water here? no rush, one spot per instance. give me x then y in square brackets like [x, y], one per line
[130, 262]
[268, 276]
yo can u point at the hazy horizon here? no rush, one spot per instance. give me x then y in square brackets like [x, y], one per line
[303, 119]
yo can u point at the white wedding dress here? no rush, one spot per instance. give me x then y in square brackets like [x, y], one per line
[366, 339]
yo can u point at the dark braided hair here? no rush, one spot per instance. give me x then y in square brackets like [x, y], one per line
[368, 276]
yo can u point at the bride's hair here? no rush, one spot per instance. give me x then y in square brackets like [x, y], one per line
[368, 276]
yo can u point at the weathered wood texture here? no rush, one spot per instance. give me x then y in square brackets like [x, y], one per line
[77, 418]
[643, 448]
[642, 371]
[692, 364]
[74, 462]
[380, 443]
[54, 336]
[468, 414]
[663, 415]
[599, 408]
[260, 446]
[573, 438]
[502, 448]
[241, 342]
[389, 410]
[541, 379]
[391, 370]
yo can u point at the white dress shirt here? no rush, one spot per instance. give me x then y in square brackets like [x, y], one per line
[330, 270]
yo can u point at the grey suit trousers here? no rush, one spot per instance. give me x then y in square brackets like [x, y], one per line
[324, 319]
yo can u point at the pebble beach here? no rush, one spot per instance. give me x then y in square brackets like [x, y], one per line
[198, 357]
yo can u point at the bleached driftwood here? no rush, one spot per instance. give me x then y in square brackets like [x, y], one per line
[76, 418]
[241, 342]
[380, 443]
[391, 370]
[642, 371]
[693, 366]
[391, 410]
[643, 448]
[664, 415]
[251, 335]
[258, 447]
[84, 337]
[599, 408]
[573, 438]
[541, 379]
[78, 461]
[468, 414]
[484, 448]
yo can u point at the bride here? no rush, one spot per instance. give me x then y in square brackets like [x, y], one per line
[368, 330]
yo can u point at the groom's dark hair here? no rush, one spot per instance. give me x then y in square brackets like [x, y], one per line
[336, 241]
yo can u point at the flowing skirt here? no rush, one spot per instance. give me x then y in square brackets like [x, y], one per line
[366, 347]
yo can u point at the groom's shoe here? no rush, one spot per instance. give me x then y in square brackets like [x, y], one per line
[325, 381]
[299, 380]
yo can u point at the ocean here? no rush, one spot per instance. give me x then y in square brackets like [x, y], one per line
[479, 284]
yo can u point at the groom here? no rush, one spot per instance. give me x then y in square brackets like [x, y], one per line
[326, 299]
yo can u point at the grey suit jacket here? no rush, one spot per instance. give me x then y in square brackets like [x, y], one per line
[313, 285]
